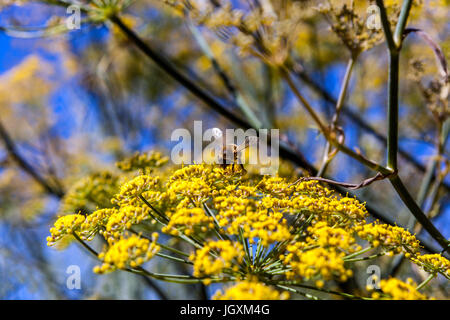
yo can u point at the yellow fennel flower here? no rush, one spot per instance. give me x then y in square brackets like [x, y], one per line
[250, 290]
[391, 237]
[433, 263]
[65, 225]
[227, 255]
[315, 262]
[128, 253]
[135, 187]
[188, 220]
[399, 290]
[123, 219]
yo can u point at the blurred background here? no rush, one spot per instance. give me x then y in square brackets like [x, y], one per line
[74, 102]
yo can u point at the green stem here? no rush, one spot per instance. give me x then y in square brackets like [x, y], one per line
[155, 210]
[184, 279]
[305, 103]
[344, 88]
[172, 249]
[342, 294]
[418, 213]
[307, 295]
[339, 105]
[401, 24]
[392, 142]
[425, 282]
[386, 26]
[245, 245]
[366, 258]
[165, 256]
[85, 245]
[357, 253]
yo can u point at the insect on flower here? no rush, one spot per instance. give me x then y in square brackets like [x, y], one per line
[232, 153]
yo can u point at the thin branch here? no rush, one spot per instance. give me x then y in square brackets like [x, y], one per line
[23, 163]
[351, 186]
[327, 158]
[392, 142]
[418, 213]
[401, 24]
[386, 26]
[426, 281]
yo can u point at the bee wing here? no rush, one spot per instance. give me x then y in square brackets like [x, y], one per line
[217, 133]
[248, 142]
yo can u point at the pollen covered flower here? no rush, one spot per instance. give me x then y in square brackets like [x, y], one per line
[325, 236]
[95, 222]
[194, 188]
[250, 290]
[275, 185]
[268, 226]
[225, 255]
[433, 263]
[130, 252]
[344, 212]
[134, 188]
[187, 220]
[124, 219]
[399, 290]
[65, 225]
[327, 263]
[391, 237]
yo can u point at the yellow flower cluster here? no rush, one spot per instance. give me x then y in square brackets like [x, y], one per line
[65, 225]
[433, 263]
[399, 290]
[344, 212]
[265, 225]
[327, 263]
[216, 256]
[145, 162]
[391, 237]
[187, 220]
[250, 290]
[209, 173]
[241, 213]
[137, 186]
[276, 186]
[130, 252]
[194, 190]
[122, 219]
[303, 231]
[96, 222]
[95, 190]
[325, 236]
[192, 185]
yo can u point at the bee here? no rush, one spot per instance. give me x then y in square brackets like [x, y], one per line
[232, 153]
